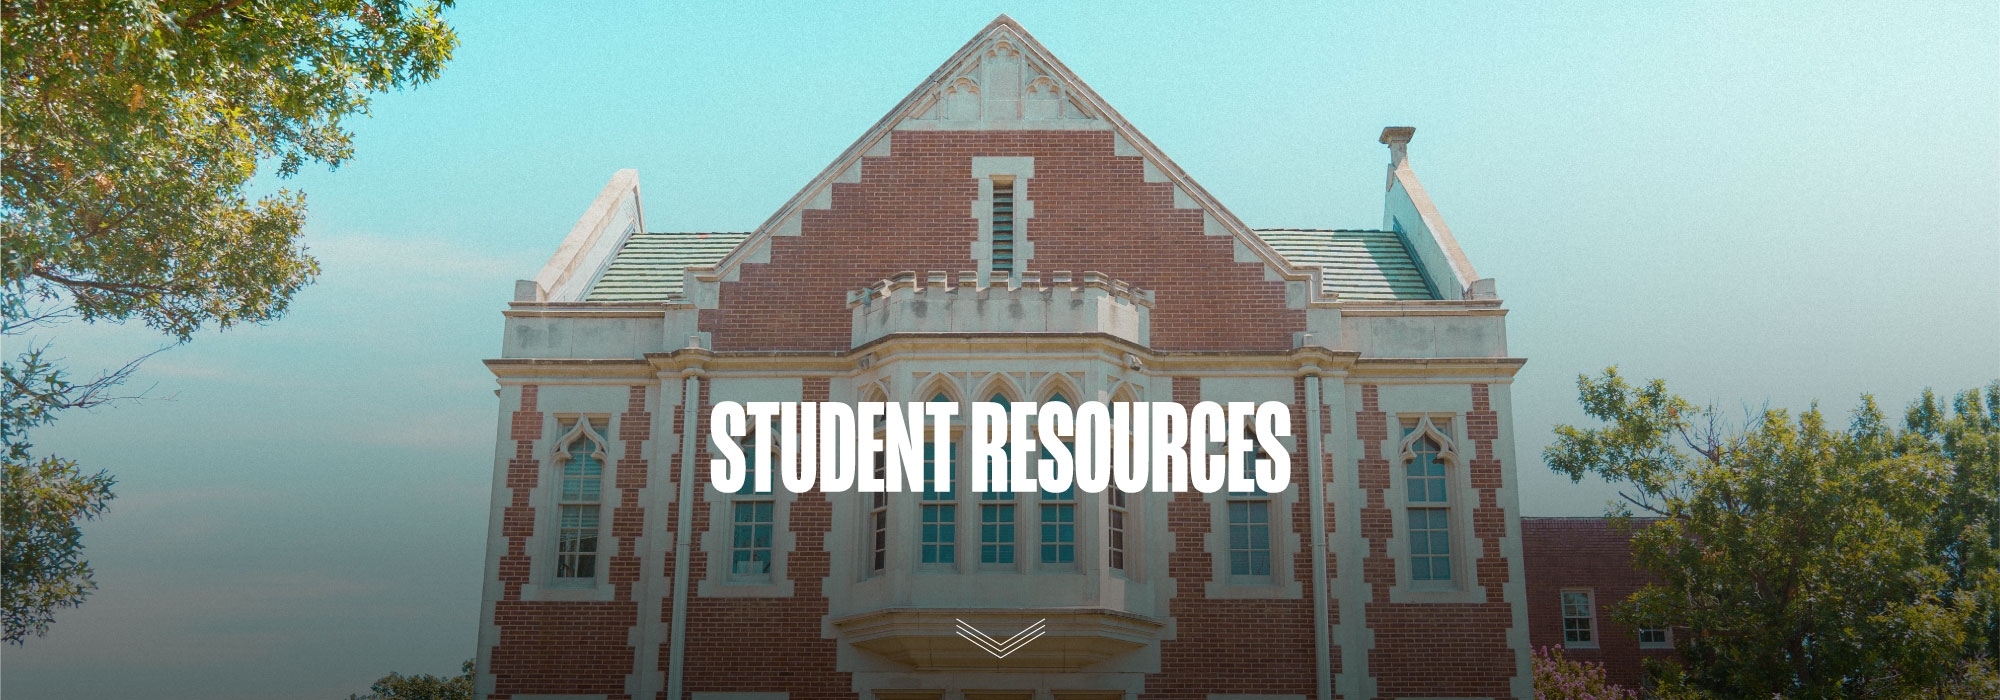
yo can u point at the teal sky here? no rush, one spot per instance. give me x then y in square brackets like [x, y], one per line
[1760, 203]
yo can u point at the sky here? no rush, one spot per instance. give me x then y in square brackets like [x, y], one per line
[1763, 204]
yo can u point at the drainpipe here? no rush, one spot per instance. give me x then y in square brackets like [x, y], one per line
[683, 537]
[1323, 658]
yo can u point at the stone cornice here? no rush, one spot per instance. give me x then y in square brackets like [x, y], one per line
[1066, 347]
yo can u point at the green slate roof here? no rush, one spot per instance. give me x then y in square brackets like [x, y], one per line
[1363, 265]
[649, 267]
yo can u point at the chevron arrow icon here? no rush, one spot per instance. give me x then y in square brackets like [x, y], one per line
[1001, 649]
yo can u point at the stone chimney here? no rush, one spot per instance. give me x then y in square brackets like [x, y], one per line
[1398, 138]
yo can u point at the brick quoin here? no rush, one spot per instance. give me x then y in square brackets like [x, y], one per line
[1435, 649]
[1092, 211]
[551, 647]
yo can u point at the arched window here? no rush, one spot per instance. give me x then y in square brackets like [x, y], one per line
[1425, 454]
[996, 508]
[878, 502]
[940, 509]
[579, 501]
[1058, 511]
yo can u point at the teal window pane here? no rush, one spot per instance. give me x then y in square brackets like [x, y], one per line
[1430, 544]
[1249, 538]
[750, 545]
[1058, 533]
[940, 534]
[996, 534]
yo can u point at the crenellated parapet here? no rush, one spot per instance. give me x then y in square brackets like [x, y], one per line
[938, 302]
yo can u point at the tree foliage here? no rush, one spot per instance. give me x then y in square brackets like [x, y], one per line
[132, 126]
[129, 131]
[396, 686]
[1559, 678]
[43, 502]
[1801, 560]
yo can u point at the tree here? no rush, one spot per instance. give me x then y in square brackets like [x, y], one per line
[396, 686]
[1800, 560]
[129, 130]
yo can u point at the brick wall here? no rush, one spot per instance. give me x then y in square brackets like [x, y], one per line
[563, 647]
[1092, 211]
[1561, 553]
[766, 644]
[1434, 649]
[1262, 646]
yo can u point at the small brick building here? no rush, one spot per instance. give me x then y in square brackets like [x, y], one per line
[1004, 235]
[1577, 569]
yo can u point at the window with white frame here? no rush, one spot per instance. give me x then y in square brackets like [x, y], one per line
[1655, 638]
[1579, 618]
[752, 519]
[1250, 538]
[1429, 502]
[579, 502]
[940, 510]
[1249, 519]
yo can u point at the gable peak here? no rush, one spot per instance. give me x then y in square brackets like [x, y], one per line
[1001, 79]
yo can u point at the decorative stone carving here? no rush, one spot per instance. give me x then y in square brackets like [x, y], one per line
[999, 86]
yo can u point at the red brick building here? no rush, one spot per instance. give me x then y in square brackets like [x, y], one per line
[1004, 235]
[1577, 569]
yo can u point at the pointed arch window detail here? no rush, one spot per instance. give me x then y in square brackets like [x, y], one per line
[579, 502]
[1425, 455]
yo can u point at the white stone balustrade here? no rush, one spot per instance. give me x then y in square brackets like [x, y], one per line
[1088, 303]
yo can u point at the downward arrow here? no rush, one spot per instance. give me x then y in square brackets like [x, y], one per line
[997, 648]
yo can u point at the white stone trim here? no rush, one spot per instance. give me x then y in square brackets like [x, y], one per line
[612, 218]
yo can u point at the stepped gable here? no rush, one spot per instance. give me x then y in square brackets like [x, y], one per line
[1088, 193]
